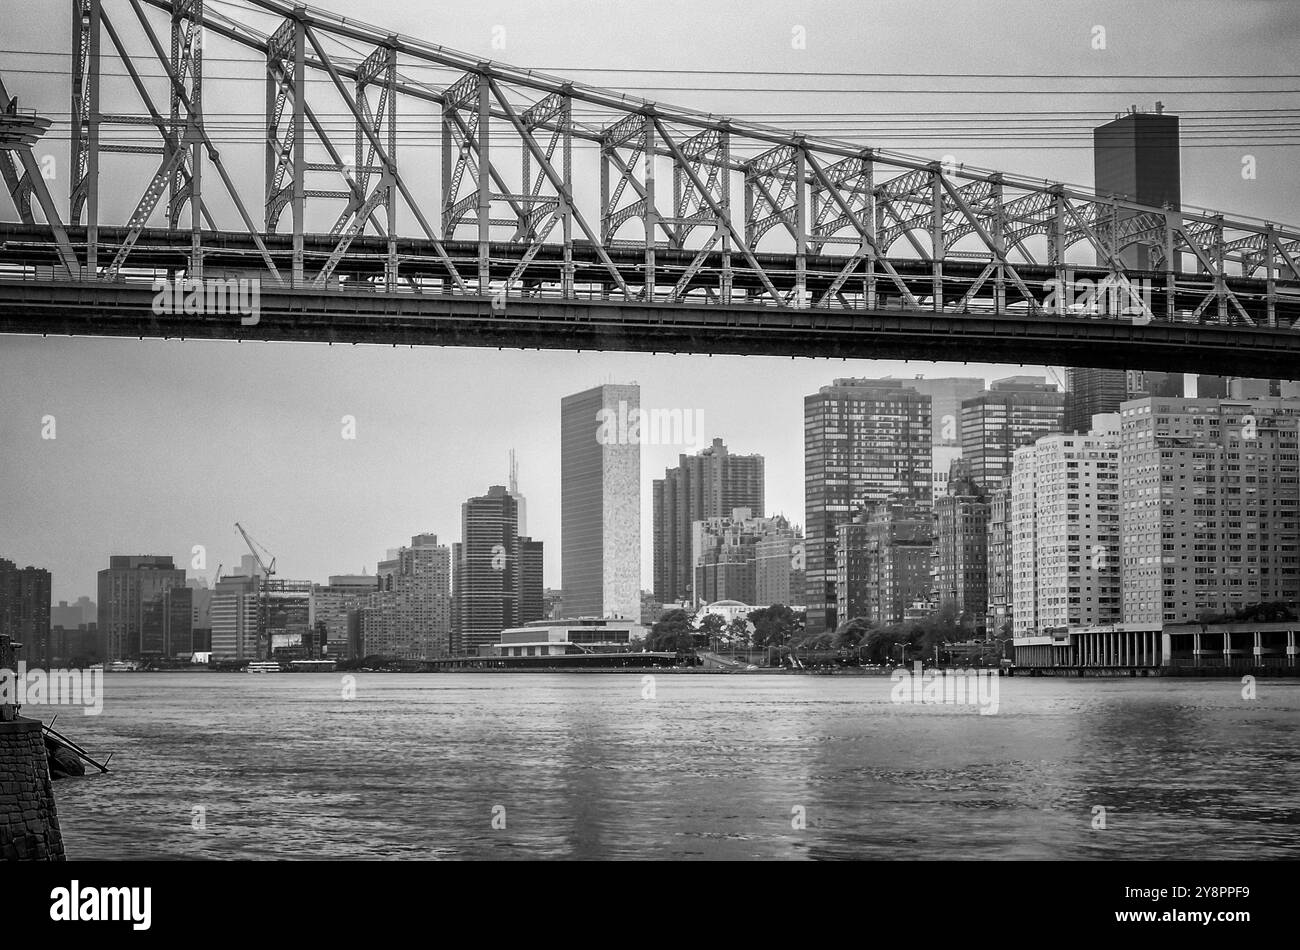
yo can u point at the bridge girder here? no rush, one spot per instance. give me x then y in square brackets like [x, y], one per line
[505, 151]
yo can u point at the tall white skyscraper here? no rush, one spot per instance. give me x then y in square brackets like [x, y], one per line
[600, 502]
[1065, 514]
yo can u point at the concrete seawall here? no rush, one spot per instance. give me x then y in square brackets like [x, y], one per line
[29, 821]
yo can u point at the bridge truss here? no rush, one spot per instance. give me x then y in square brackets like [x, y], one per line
[523, 193]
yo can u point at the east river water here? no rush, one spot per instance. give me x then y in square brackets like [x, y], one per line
[223, 766]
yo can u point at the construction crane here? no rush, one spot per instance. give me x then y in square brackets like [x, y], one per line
[264, 596]
[266, 569]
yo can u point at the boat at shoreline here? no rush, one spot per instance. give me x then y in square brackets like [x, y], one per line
[263, 666]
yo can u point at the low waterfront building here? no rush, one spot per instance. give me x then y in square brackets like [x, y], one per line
[1171, 648]
[728, 610]
[561, 638]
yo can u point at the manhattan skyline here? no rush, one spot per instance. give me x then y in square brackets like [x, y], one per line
[154, 448]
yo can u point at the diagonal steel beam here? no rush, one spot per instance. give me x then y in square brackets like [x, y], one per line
[723, 219]
[386, 160]
[558, 184]
[867, 236]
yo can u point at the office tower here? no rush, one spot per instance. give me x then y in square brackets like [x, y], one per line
[999, 614]
[1093, 392]
[864, 441]
[488, 571]
[126, 587]
[1014, 412]
[960, 556]
[521, 504]
[1066, 534]
[724, 552]
[946, 396]
[779, 575]
[410, 616]
[1090, 392]
[235, 618]
[600, 502]
[201, 615]
[531, 604]
[25, 606]
[167, 623]
[1209, 515]
[338, 606]
[710, 484]
[1145, 382]
[882, 561]
[1136, 157]
[946, 393]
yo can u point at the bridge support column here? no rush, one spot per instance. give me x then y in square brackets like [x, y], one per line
[651, 215]
[84, 185]
[484, 187]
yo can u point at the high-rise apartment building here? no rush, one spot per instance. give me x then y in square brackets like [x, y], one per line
[126, 587]
[882, 561]
[1015, 411]
[725, 554]
[864, 441]
[710, 484]
[779, 572]
[338, 606]
[999, 613]
[960, 555]
[1210, 506]
[25, 605]
[600, 502]
[1066, 533]
[409, 617]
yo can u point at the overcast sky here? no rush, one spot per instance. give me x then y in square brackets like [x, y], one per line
[162, 446]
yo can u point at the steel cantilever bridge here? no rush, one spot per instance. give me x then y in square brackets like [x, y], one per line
[532, 211]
